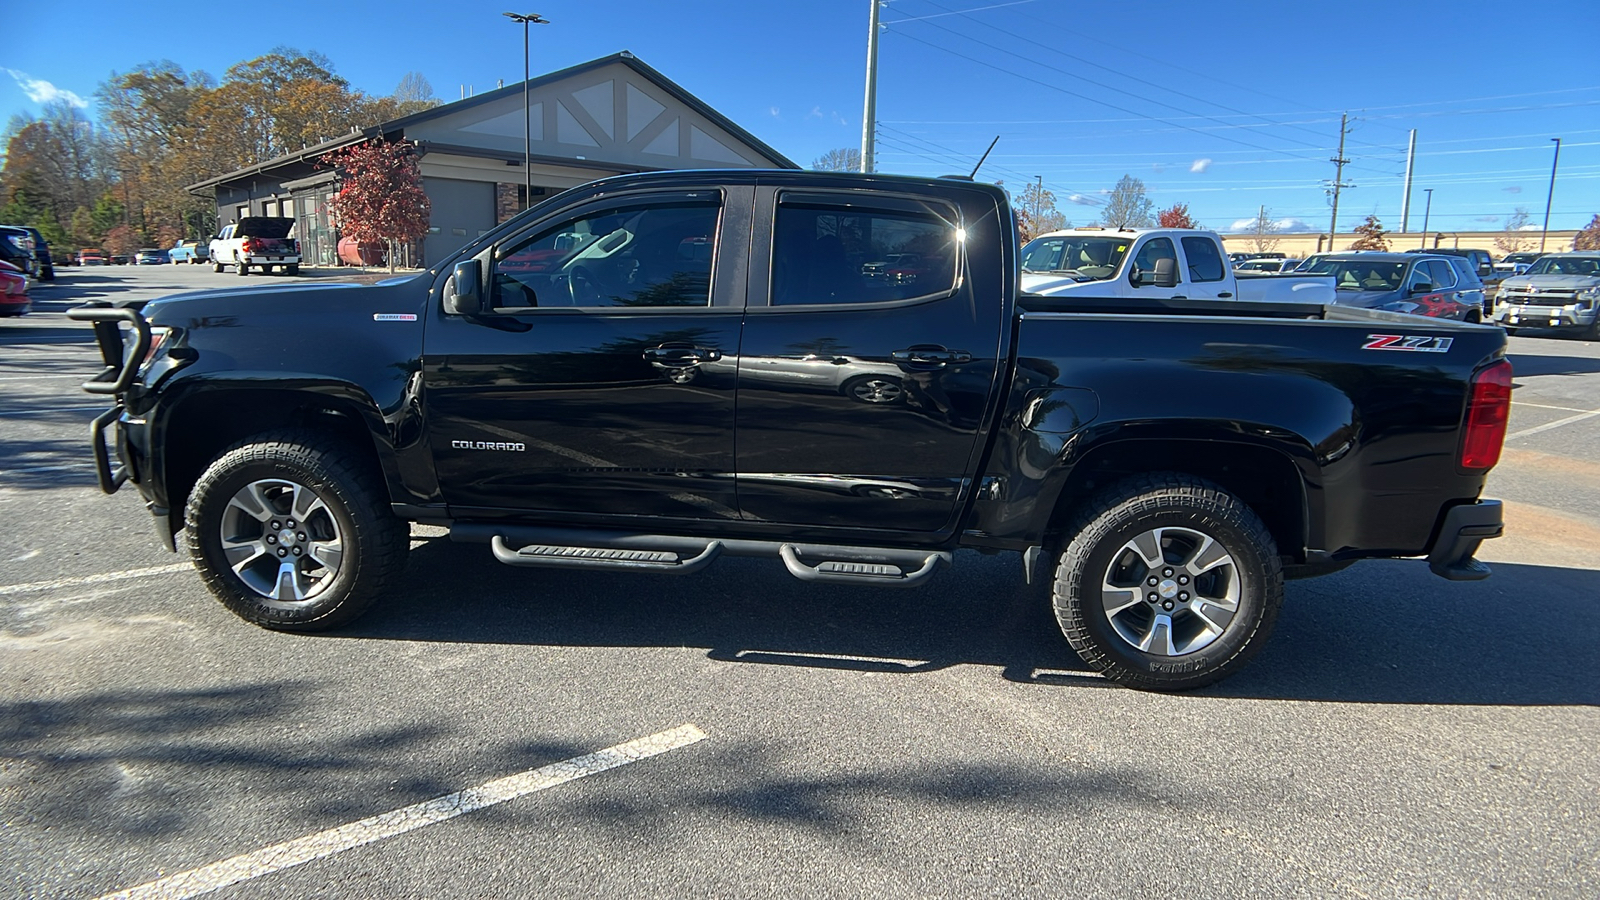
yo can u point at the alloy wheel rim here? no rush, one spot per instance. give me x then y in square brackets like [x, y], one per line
[1171, 591]
[281, 540]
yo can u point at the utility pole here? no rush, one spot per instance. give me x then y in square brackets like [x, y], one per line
[1425, 211]
[527, 109]
[1405, 201]
[1551, 196]
[1038, 198]
[1338, 180]
[869, 117]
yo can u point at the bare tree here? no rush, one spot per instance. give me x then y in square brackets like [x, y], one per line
[1262, 230]
[1037, 213]
[1513, 238]
[844, 159]
[1127, 206]
[413, 94]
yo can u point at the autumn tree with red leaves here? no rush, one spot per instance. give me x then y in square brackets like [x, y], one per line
[380, 194]
[1176, 216]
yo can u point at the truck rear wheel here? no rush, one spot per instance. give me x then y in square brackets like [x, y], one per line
[1167, 583]
[292, 532]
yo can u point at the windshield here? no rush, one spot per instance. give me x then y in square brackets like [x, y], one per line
[1085, 258]
[1359, 274]
[1566, 265]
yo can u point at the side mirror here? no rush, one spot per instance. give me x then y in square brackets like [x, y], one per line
[1166, 274]
[463, 295]
[1421, 287]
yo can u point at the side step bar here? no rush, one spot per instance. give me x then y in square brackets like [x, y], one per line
[552, 556]
[583, 548]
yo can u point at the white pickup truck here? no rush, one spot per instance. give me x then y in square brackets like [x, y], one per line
[1166, 263]
[260, 241]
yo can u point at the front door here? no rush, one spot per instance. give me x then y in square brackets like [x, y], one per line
[867, 361]
[591, 388]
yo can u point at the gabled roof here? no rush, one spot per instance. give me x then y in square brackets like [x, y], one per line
[393, 126]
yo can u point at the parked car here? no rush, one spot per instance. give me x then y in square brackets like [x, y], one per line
[1560, 290]
[13, 290]
[260, 241]
[151, 256]
[1239, 257]
[1157, 462]
[1517, 263]
[191, 252]
[92, 257]
[119, 260]
[1267, 265]
[1130, 262]
[16, 248]
[1441, 287]
[41, 253]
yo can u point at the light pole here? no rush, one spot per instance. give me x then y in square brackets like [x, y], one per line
[1551, 196]
[527, 114]
[1425, 210]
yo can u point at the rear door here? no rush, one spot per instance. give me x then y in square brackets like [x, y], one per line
[1204, 269]
[863, 387]
[587, 391]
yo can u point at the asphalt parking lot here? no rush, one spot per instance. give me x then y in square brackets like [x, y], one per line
[1401, 736]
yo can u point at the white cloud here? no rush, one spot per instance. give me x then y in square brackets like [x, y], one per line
[1531, 228]
[816, 113]
[1081, 200]
[1514, 189]
[41, 91]
[1283, 226]
[840, 119]
[1200, 165]
[773, 111]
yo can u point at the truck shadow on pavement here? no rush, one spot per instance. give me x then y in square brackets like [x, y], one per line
[1528, 366]
[1380, 632]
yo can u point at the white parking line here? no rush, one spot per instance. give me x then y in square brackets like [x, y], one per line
[1556, 424]
[32, 586]
[50, 409]
[386, 825]
[1513, 403]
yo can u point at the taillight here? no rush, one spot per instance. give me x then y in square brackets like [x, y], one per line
[1487, 414]
[248, 246]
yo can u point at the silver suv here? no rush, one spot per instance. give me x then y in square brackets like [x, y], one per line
[1560, 290]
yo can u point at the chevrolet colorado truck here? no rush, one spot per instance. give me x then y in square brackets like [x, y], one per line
[260, 241]
[625, 378]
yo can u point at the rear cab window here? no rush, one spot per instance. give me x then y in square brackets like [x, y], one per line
[830, 250]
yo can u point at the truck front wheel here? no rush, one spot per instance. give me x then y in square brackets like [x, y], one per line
[1167, 583]
[290, 531]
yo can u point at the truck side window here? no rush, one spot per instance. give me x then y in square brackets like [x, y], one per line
[1153, 250]
[1443, 274]
[1205, 260]
[847, 254]
[657, 255]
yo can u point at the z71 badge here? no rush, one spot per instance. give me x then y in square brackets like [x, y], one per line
[1415, 342]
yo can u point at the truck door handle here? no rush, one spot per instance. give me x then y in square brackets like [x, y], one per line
[930, 354]
[1224, 295]
[681, 354]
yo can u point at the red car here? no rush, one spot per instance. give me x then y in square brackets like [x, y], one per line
[13, 290]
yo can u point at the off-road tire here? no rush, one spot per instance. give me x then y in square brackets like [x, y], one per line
[1103, 531]
[374, 542]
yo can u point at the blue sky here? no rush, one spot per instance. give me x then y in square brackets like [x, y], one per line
[1226, 107]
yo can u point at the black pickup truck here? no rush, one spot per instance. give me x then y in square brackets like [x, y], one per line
[838, 371]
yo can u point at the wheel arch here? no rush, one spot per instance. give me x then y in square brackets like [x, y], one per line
[1265, 478]
[209, 417]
